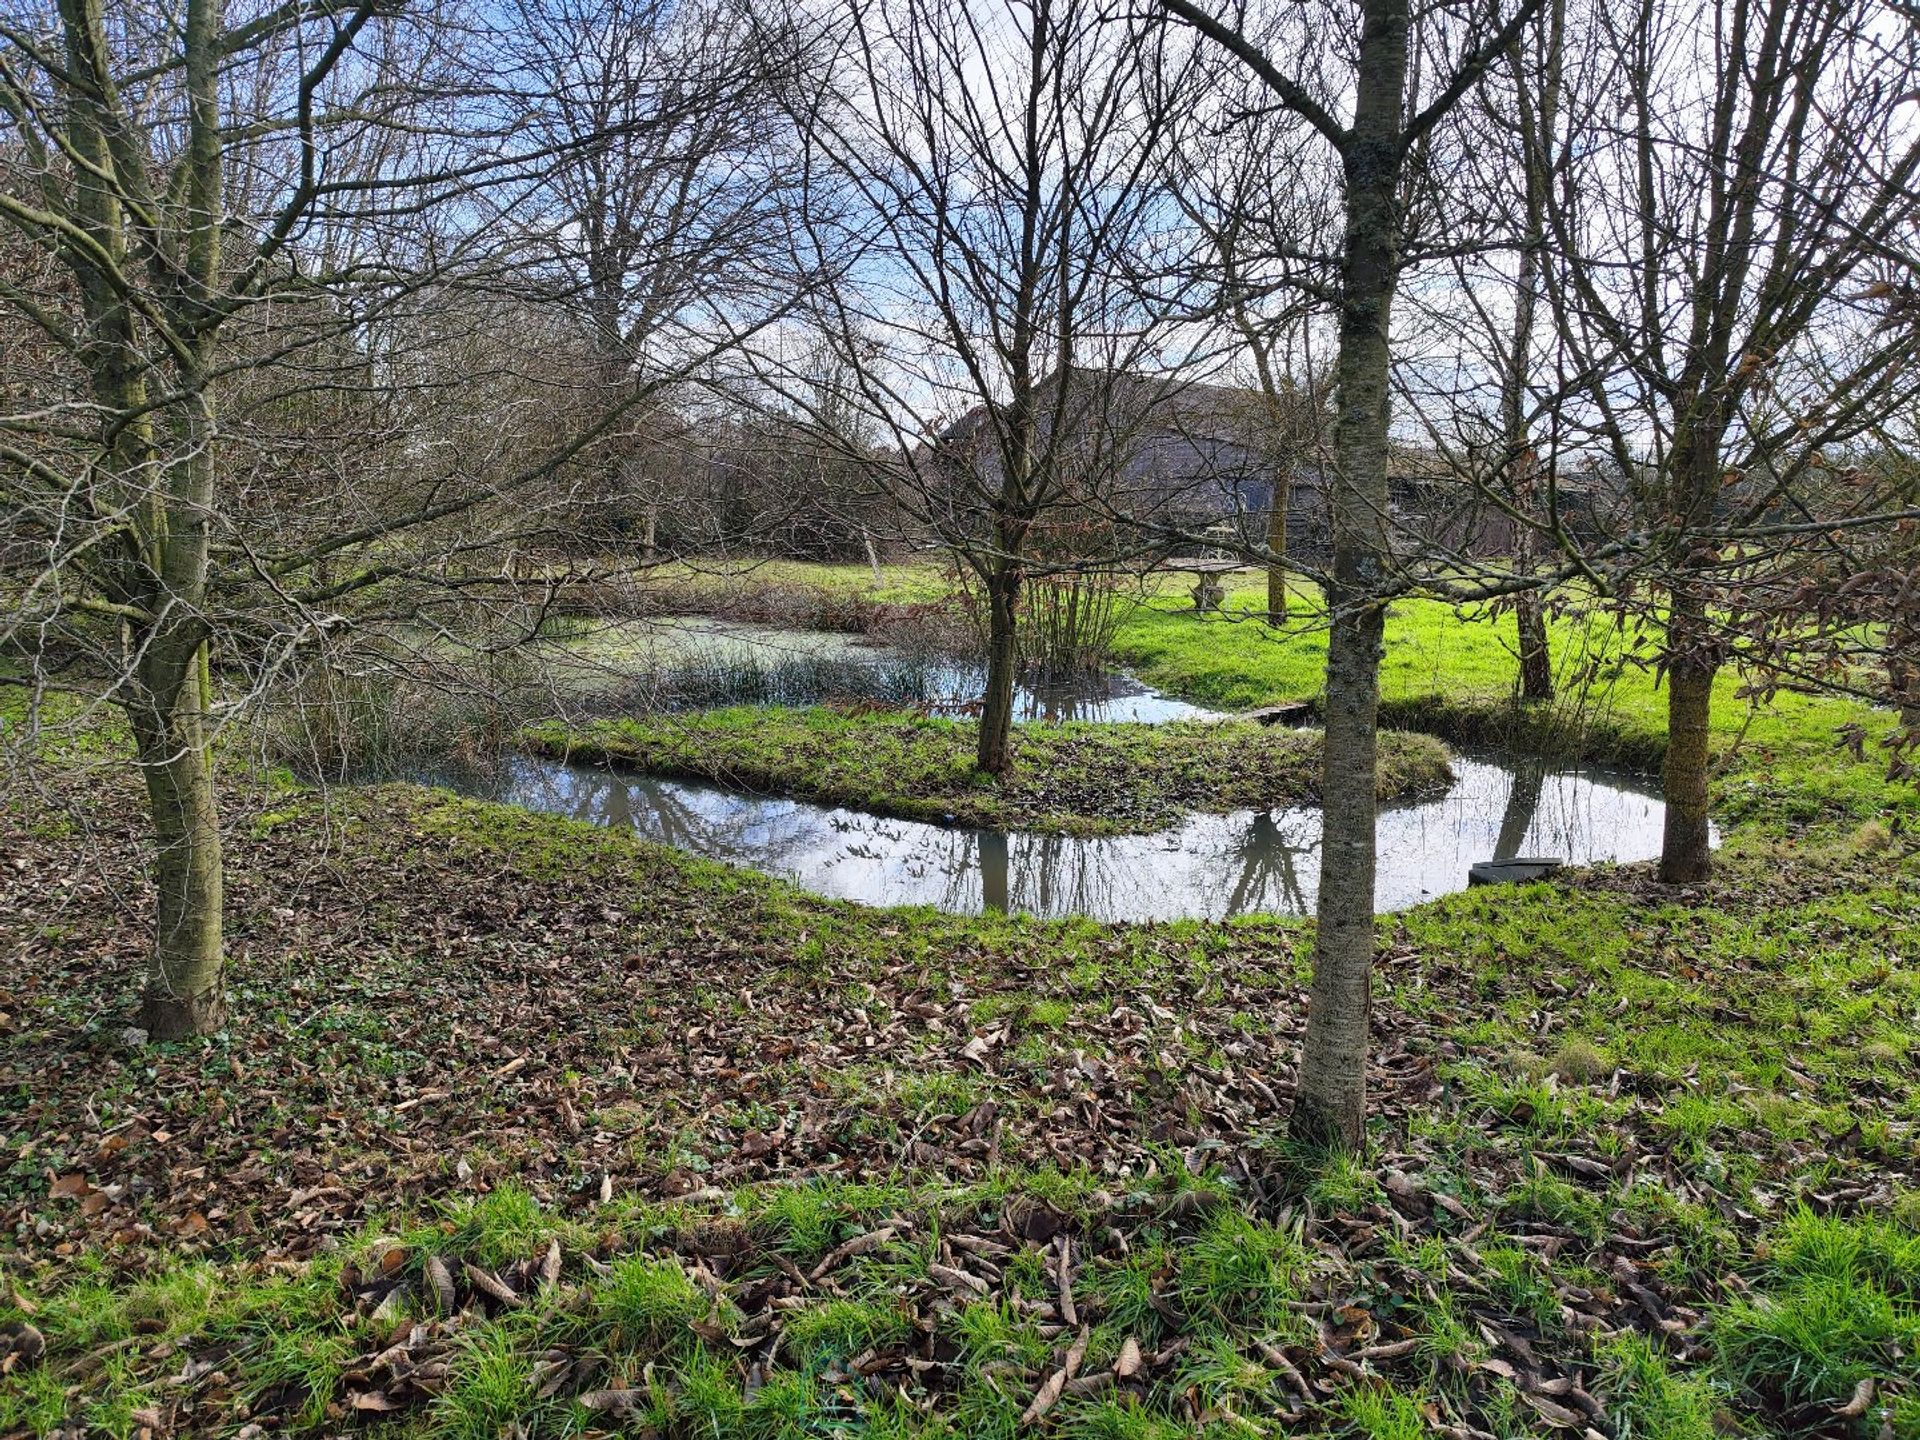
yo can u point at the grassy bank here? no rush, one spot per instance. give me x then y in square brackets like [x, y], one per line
[1781, 763]
[1077, 779]
[729, 1160]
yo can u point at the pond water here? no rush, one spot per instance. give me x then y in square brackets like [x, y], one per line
[1210, 867]
[698, 663]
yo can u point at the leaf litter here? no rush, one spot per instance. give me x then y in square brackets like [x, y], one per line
[438, 1006]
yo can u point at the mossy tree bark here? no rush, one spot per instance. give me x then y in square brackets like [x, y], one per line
[1536, 660]
[1693, 651]
[994, 751]
[158, 467]
[184, 991]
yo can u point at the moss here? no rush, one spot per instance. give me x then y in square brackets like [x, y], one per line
[1579, 1061]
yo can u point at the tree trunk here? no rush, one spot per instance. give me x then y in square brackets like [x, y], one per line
[994, 754]
[1686, 853]
[1536, 661]
[184, 991]
[1692, 653]
[1330, 1108]
[1537, 129]
[1331, 1105]
[1277, 546]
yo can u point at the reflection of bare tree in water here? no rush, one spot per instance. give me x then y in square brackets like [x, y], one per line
[1051, 874]
[1054, 700]
[1060, 875]
[992, 851]
[1266, 855]
[1523, 803]
[1215, 865]
[1068, 876]
[660, 813]
[610, 799]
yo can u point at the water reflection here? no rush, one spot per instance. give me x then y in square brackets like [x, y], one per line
[1529, 779]
[1211, 866]
[1113, 697]
[701, 663]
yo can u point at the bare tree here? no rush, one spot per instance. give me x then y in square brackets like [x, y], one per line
[663, 213]
[1737, 178]
[1534, 64]
[123, 184]
[1001, 162]
[1262, 206]
[275, 275]
[1388, 123]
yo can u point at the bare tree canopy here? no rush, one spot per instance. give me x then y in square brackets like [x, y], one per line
[275, 278]
[1004, 164]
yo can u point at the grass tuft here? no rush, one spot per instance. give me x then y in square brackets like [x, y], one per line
[649, 1304]
[1838, 1309]
[1241, 1271]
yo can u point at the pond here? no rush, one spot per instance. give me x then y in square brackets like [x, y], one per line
[1210, 867]
[698, 663]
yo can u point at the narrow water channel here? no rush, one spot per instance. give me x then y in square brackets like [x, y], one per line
[1210, 867]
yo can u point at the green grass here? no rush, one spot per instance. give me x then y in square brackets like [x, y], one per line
[841, 1329]
[1733, 1066]
[648, 1304]
[1240, 1270]
[1781, 763]
[1080, 779]
[1454, 671]
[1835, 1306]
[1383, 1414]
[1647, 1401]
